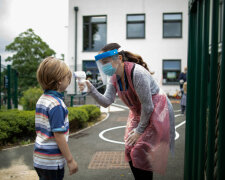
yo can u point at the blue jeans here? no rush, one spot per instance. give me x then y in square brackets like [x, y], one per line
[46, 174]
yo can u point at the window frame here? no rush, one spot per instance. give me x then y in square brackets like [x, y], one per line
[181, 22]
[134, 22]
[90, 31]
[170, 83]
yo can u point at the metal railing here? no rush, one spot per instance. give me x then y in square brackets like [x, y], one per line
[8, 86]
[205, 126]
[81, 98]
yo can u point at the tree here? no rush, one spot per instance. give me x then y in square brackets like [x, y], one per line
[29, 50]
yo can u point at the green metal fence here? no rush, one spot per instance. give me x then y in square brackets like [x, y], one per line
[8, 86]
[205, 126]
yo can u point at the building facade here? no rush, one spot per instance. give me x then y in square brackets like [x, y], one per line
[156, 30]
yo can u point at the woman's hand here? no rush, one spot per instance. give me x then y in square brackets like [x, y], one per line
[133, 137]
[82, 85]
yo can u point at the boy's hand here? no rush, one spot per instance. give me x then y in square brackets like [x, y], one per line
[72, 165]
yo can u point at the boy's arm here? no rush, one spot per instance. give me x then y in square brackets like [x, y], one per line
[64, 148]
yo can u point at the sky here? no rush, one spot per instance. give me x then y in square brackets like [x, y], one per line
[48, 19]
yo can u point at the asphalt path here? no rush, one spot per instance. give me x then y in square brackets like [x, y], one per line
[90, 147]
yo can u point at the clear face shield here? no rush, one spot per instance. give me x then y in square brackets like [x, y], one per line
[107, 63]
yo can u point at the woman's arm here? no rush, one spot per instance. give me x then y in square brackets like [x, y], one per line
[142, 85]
[106, 99]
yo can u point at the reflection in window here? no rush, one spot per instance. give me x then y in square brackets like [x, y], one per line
[136, 26]
[172, 25]
[94, 32]
[171, 71]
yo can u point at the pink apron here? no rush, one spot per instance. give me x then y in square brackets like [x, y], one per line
[151, 150]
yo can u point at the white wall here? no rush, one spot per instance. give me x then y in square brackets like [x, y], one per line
[153, 48]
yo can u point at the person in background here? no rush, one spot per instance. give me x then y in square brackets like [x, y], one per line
[183, 98]
[183, 78]
[51, 150]
[150, 128]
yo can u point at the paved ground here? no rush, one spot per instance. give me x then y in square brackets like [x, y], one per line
[98, 158]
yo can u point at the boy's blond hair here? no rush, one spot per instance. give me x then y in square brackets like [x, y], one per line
[51, 71]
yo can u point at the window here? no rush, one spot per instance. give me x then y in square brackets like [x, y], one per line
[94, 32]
[171, 71]
[172, 25]
[135, 26]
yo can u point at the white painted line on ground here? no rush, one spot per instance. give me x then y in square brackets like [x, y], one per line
[177, 126]
[177, 115]
[111, 109]
[177, 111]
[109, 140]
[177, 135]
[125, 107]
[118, 127]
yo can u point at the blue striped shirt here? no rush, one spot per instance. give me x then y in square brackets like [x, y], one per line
[51, 116]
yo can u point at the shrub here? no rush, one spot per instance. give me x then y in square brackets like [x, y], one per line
[77, 118]
[93, 111]
[20, 125]
[4, 128]
[16, 124]
[95, 114]
[30, 98]
[27, 123]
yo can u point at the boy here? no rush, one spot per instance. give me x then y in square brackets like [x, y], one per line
[51, 122]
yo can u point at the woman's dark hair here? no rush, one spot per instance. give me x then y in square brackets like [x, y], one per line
[127, 56]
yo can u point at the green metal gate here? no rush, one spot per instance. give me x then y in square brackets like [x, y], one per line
[8, 86]
[205, 121]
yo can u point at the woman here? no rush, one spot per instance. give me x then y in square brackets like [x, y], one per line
[150, 126]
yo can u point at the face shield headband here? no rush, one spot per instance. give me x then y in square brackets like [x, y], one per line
[106, 54]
